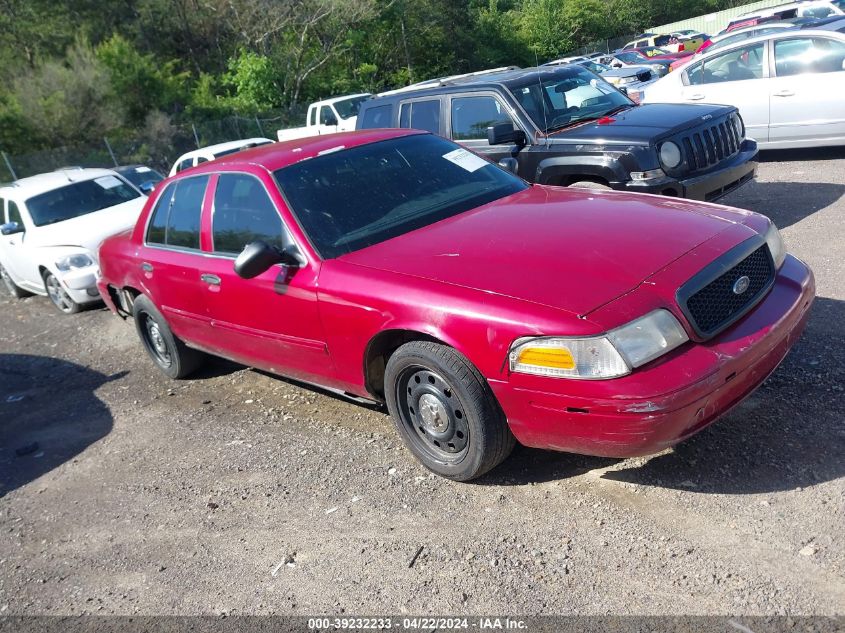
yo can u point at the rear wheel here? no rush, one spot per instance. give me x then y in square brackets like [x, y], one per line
[10, 285]
[445, 411]
[59, 296]
[168, 352]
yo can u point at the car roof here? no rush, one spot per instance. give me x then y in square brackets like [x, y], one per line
[781, 34]
[278, 155]
[229, 145]
[41, 183]
[343, 98]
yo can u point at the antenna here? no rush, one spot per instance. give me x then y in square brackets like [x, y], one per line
[540, 95]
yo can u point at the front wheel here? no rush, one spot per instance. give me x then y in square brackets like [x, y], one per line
[168, 352]
[590, 184]
[445, 411]
[59, 296]
[10, 286]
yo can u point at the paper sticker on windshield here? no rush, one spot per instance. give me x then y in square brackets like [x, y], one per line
[142, 170]
[108, 182]
[466, 160]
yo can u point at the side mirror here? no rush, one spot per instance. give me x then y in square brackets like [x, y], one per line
[10, 228]
[147, 187]
[509, 164]
[616, 65]
[257, 257]
[502, 133]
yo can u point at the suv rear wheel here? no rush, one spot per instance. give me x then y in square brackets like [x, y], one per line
[445, 411]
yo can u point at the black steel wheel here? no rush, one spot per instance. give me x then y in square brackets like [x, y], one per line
[168, 352]
[10, 286]
[445, 411]
[59, 296]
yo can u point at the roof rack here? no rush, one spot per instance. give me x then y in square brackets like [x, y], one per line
[443, 81]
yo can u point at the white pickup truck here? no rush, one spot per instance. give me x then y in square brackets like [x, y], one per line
[326, 117]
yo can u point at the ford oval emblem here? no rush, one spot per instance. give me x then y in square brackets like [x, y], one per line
[741, 285]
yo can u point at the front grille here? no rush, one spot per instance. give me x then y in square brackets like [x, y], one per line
[710, 145]
[715, 306]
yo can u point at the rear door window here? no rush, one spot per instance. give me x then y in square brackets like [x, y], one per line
[243, 213]
[421, 115]
[378, 116]
[808, 55]
[176, 219]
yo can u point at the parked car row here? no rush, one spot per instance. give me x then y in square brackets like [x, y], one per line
[440, 267]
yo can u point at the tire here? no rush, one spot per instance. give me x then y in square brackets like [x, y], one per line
[10, 286]
[445, 412]
[590, 184]
[168, 352]
[60, 298]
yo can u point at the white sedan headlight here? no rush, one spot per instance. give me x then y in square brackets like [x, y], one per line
[609, 356]
[74, 262]
[776, 246]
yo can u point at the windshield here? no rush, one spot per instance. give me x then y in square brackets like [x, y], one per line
[139, 175]
[354, 198]
[79, 198]
[594, 67]
[348, 107]
[631, 57]
[567, 96]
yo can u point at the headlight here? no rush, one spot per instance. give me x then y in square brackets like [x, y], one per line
[670, 154]
[739, 126]
[776, 246]
[660, 69]
[628, 80]
[72, 262]
[608, 356]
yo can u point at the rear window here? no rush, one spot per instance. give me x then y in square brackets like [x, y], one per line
[377, 116]
[79, 198]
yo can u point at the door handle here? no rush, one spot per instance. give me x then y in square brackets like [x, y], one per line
[696, 97]
[147, 267]
[784, 93]
[210, 279]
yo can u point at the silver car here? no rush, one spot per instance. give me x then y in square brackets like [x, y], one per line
[789, 86]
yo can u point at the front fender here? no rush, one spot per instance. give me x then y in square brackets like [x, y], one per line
[559, 169]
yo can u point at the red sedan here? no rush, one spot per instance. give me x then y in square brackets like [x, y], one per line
[396, 266]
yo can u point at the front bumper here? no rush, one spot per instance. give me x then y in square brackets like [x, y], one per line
[80, 284]
[711, 186]
[669, 400]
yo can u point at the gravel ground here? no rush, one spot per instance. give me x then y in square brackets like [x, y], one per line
[239, 493]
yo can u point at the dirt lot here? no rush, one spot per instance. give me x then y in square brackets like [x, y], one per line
[237, 492]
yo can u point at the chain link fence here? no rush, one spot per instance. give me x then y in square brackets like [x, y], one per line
[158, 145]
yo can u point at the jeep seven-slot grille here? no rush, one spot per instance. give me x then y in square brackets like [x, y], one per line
[717, 305]
[710, 145]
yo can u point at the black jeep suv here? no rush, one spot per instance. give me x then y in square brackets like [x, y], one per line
[567, 126]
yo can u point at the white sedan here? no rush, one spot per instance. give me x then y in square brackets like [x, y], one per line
[789, 86]
[51, 227]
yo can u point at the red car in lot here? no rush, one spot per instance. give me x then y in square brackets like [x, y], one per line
[396, 266]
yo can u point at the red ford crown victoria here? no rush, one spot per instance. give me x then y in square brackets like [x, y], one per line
[396, 266]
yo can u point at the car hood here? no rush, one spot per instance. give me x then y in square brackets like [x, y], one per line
[639, 124]
[569, 249]
[88, 231]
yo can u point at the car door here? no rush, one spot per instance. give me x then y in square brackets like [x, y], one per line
[270, 321]
[737, 77]
[807, 91]
[17, 258]
[470, 115]
[171, 258]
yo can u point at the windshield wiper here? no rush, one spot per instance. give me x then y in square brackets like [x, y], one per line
[587, 119]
